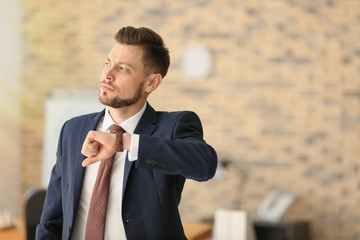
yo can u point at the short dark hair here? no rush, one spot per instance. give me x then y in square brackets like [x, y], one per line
[156, 57]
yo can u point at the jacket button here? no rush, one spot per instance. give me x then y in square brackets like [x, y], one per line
[163, 165]
[153, 162]
[148, 161]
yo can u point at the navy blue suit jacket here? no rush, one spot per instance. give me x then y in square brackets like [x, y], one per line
[171, 149]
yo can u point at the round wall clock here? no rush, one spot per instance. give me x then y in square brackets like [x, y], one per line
[196, 62]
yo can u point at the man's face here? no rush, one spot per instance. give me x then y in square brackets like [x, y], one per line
[122, 80]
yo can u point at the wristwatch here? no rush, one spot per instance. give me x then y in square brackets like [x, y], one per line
[119, 142]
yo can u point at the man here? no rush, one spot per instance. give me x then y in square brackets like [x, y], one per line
[150, 159]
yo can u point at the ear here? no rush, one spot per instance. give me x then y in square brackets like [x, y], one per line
[153, 82]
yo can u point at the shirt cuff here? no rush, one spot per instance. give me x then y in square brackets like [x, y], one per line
[134, 147]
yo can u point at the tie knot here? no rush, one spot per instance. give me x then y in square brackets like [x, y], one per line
[116, 128]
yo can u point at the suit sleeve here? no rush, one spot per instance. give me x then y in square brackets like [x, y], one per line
[183, 152]
[51, 222]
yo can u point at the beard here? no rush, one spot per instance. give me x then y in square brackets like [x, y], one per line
[118, 102]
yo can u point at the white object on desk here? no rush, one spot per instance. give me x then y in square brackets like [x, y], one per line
[274, 205]
[6, 220]
[230, 225]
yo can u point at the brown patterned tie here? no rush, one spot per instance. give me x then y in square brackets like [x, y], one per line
[95, 225]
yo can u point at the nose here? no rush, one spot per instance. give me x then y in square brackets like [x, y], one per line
[108, 74]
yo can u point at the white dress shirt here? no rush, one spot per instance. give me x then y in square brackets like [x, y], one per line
[114, 227]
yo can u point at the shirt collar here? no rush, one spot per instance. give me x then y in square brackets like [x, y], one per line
[128, 125]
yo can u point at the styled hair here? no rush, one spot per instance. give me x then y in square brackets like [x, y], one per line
[156, 57]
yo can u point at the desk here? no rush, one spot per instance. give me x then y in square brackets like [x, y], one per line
[193, 231]
[198, 231]
[15, 233]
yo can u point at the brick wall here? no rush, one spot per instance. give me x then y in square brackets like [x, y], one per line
[281, 102]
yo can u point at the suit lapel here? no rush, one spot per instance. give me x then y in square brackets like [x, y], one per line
[79, 170]
[146, 126]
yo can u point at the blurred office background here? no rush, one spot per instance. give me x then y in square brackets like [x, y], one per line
[279, 98]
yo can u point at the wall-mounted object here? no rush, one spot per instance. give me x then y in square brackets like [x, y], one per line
[196, 62]
[60, 106]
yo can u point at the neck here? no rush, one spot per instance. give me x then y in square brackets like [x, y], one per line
[120, 115]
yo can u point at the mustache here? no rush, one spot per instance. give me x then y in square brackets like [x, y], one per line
[107, 84]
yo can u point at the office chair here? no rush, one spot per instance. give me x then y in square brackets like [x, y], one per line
[33, 209]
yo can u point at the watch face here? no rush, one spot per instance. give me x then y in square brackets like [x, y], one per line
[196, 62]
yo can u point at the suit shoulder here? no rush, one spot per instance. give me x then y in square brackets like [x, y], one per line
[186, 116]
[176, 114]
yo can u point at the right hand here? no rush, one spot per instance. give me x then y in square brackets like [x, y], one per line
[98, 146]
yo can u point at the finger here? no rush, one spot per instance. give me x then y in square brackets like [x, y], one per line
[90, 149]
[89, 161]
[88, 154]
[89, 137]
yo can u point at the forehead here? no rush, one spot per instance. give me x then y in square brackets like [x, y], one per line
[123, 52]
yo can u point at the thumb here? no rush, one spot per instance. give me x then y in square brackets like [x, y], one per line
[88, 161]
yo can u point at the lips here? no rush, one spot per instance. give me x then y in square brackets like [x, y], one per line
[107, 88]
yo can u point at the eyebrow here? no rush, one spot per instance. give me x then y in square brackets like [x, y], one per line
[121, 63]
